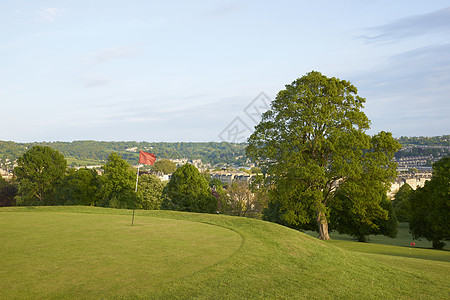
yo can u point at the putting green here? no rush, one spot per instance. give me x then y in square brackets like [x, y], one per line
[47, 254]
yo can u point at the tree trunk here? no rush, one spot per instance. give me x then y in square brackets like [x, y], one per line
[323, 226]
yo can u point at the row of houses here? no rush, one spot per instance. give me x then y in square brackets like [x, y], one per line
[418, 162]
[229, 178]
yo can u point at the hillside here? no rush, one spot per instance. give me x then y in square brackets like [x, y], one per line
[80, 153]
[84, 252]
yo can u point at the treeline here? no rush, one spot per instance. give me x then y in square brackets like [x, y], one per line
[427, 209]
[443, 140]
[423, 151]
[42, 177]
[80, 153]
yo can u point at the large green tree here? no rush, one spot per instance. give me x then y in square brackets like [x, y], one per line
[312, 141]
[188, 190]
[80, 187]
[360, 207]
[119, 182]
[430, 206]
[363, 218]
[39, 172]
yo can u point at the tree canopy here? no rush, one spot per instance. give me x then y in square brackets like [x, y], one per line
[149, 192]
[188, 190]
[164, 166]
[401, 202]
[119, 180]
[39, 172]
[80, 187]
[311, 143]
[430, 206]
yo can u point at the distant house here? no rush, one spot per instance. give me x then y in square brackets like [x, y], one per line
[414, 180]
[229, 178]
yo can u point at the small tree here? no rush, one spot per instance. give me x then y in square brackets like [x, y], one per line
[8, 191]
[401, 202]
[164, 166]
[119, 181]
[188, 190]
[220, 193]
[39, 172]
[149, 191]
[241, 199]
[430, 206]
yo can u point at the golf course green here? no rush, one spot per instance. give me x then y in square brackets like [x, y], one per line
[94, 253]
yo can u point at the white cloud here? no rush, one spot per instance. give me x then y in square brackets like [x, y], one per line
[109, 54]
[48, 14]
[434, 22]
[95, 81]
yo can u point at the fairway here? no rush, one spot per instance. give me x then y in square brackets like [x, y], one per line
[66, 252]
[88, 252]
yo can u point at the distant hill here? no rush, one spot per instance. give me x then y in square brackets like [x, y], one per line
[429, 148]
[443, 140]
[80, 153]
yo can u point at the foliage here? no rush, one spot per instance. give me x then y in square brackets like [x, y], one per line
[119, 180]
[363, 218]
[220, 193]
[80, 187]
[430, 206]
[149, 191]
[241, 200]
[8, 191]
[361, 207]
[188, 190]
[401, 202]
[443, 140]
[82, 153]
[164, 166]
[39, 172]
[311, 141]
[255, 170]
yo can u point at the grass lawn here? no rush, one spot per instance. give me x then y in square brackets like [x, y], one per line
[400, 246]
[84, 252]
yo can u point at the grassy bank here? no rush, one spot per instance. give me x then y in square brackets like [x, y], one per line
[83, 252]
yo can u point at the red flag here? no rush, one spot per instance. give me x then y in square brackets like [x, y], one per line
[146, 158]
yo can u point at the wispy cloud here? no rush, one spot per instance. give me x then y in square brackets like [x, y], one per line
[95, 81]
[48, 14]
[224, 10]
[411, 86]
[413, 71]
[110, 54]
[434, 22]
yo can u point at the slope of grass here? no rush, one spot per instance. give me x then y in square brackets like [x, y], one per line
[83, 252]
[399, 246]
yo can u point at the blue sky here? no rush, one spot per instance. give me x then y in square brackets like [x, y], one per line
[192, 70]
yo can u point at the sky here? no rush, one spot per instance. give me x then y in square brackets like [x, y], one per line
[200, 71]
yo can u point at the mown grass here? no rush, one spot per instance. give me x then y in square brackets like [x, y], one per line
[399, 246]
[83, 252]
